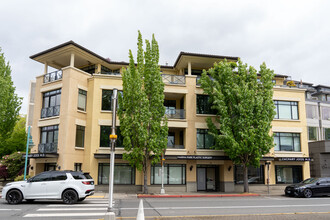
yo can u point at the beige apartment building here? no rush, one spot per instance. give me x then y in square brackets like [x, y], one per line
[72, 119]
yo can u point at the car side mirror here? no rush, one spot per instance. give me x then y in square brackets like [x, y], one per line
[29, 180]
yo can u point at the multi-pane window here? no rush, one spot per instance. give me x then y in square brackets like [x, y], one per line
[312, 133]
[104, 136]
[77, 166]
[287, 142]
[80, 136]
[204, 105]
[311, 111]
[325, 113]
[286, 110]
[51, 103]
[82, 98]
[107, 99]
[124, 174]
[326, 133]
[105, 70]
[49, 134]
[89, 69]
[255, 175]
[204, 139]
[173, 174]
[288, 174]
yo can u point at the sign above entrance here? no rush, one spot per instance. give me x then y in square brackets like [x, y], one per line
[196, 157]
[293, 159]
[41, 155]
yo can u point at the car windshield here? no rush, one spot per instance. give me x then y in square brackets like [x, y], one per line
[310, 180]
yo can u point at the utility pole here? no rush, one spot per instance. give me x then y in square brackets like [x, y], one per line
[113, 138]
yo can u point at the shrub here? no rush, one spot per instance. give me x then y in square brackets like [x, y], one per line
[21, 177]
[14, 163]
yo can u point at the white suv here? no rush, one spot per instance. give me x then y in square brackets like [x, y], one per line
[70, 186]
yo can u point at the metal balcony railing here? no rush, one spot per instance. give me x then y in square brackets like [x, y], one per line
[50, 111]
[53, 76]
[175, 113]
[47, 148]
[174, 79]
[175, 146]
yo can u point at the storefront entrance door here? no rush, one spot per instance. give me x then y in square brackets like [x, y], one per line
[201, 180]
[206, 178]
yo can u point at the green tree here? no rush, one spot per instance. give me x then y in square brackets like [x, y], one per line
[244, 109]
[10, 103]
[141, 111]
[17, 140]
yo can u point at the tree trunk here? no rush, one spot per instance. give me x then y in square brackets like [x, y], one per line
[246, 180]
[145, 177]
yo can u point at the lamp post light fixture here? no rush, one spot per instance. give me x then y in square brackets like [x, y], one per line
[29, 143]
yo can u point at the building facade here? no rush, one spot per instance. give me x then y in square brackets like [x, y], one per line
[72, 119]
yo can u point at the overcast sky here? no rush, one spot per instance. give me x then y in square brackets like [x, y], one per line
[292, 37]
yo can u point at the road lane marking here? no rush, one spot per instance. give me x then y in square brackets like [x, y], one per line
[71, 209]
[65, 214]
[75, 205]
[10, 209]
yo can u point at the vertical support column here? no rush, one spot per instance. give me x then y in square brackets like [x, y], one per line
[189, 68]
[46, 68]
[98, 70]
[72, 60]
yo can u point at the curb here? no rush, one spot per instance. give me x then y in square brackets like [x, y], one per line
[191, 196]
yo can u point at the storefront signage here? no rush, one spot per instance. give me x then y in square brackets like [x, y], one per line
[194, 157]
[294, 159]
[40, 155]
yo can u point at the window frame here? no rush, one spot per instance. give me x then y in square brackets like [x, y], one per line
[291, 104]
[293, 136]
[203, 105]
[167, 168]
[101, 172]
[80, 128]
[204, 133]
[82, 93]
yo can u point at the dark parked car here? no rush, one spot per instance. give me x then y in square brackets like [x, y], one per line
[309, 187]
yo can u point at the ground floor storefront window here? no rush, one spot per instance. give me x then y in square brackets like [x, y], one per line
[288, 174]
[173, 174]
[123, 174]
[256, 175]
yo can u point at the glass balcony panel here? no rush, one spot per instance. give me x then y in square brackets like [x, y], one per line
[47, 148]
[50, 111]
[174, 79]
[175, 147]
[175, 113]
[53, 76]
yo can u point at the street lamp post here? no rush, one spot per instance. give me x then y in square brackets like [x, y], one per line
[29, 142]
[113, 138]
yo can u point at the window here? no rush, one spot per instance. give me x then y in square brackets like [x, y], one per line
[58, 176]
[51, 104]
[49, 134]
[325, 113]
[311, 111]
[80, 136]
[204, 105]
[312, 133]
[173, 174]
[42, 177]
[286, 110]
[82, 98]
[105, 70]
[204, 140]
[123, 174]
[107, 99]
[89, 69]
[326, 133]
[255, 175]
[77, 166]
[288, 174]
[104, 137]
[171, 139]
[287, 142]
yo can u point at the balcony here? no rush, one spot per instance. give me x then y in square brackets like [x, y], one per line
[50, 111]
[175, 113]
[53, 76]
[47, 148]
[174, 79]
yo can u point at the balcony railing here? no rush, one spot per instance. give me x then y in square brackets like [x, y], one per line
[53, 76]
[175, 146]
[47, 148]
[175, 113]
[50, 112]
[174, 79]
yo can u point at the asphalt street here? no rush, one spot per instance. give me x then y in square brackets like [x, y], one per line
[262, 207]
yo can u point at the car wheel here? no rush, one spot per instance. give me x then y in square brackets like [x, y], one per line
[81, 199]
[70, 196]
[14, 196]
[308, 193]
[30, 200]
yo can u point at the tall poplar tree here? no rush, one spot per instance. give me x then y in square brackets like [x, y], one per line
[244, 108]
[10, 103]
[143, 124]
